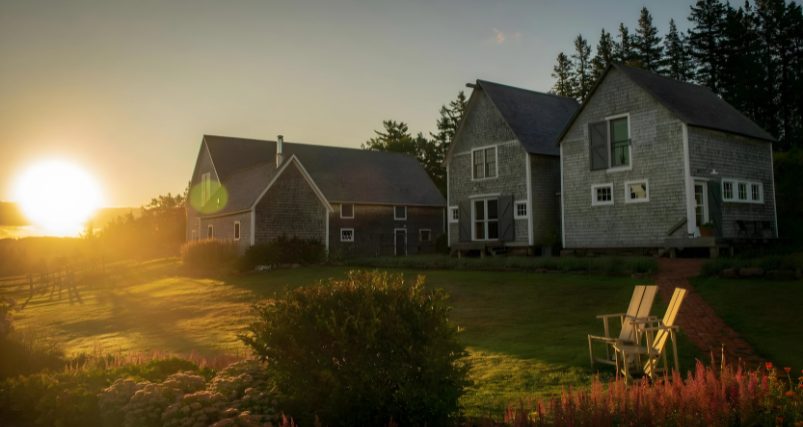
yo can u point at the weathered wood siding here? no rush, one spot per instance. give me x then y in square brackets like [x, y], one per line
[290, 208]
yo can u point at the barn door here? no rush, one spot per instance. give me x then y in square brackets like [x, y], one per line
[464, 220]
[506, 224]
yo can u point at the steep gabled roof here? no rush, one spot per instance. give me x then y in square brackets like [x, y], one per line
[246, 166]
[535, 118]
[692, 104]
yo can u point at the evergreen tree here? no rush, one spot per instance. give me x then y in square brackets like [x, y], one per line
[705, 41]
[396, 138]
[606, 51]
[647, 43]
[434, 153]
[581, 73]
[624, 47]
[677, 64]
[564, 86]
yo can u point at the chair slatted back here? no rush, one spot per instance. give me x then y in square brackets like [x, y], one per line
[640, 306]
[669, 318]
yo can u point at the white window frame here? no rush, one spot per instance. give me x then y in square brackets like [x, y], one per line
[428, 231]
[210, 231]
[452, 211]
[347, 240]
[628, 200]
[353, 208]
[735, 193]
[405, 213]
[516, 210]
[610, 141]
[594, 188]
[496, 160]
[238, 231]
[486, 220]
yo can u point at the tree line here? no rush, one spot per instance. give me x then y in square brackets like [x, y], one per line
[751, 56]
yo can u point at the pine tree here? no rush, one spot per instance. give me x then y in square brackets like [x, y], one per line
[606, 51]
[624, 47]
[647, 43]
[564, 86]
[677, 63]
[705, 41]
[435, 152]
[396, 138]
[582, 68]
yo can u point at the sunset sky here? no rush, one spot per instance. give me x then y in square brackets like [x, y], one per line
[125, 90]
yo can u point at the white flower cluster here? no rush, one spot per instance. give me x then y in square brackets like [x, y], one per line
[237, 377]
[258, 404]
[112, 400]
[147, 405]
[195, 410]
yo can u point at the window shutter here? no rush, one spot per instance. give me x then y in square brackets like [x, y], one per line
[506, 223]
[464, 222]
[598, 143]
[715, 206]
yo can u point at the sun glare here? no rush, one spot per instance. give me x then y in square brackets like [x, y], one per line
[58, 195]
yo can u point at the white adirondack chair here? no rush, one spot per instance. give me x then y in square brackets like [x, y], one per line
[639, 309]
[629, 356]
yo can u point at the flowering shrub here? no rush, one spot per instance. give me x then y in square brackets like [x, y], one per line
[258, 404]
[112, 400]
[147, 405]
[237, 377]
[198, 409]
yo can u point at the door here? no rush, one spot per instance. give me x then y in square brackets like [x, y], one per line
[400, 242]
[700, 206]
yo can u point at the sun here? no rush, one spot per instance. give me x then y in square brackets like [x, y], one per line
[58, 195]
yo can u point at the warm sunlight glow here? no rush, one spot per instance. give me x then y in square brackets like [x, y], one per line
[58, 195]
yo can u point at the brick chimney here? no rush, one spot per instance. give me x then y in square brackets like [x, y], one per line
[279, 152]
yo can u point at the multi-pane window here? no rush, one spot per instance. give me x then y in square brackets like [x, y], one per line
[742, 191]
[602, 194]
[484, 163]
[400, 212]
[755, 192]
[727, 190]
[237, 230]
[486, 219]
[346, 234]
[424, 235]
[521, 210]
[620, 143]
[637, 191]
[454, 214]
[347, 211]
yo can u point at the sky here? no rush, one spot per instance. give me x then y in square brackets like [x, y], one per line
[127, 89]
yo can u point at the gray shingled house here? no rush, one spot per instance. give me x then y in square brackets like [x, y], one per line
[357, 202]
[503, 169]
[647, 159]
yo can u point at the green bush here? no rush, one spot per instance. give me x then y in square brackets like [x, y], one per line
[208, 254]
[361, 350]
[285, 250]
[442, 244]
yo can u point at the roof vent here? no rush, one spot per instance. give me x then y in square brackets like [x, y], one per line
[279, 151]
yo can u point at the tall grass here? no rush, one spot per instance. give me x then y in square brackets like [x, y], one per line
[565, 264]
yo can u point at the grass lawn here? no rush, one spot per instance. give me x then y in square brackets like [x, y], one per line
[526, 332]
[767, 314]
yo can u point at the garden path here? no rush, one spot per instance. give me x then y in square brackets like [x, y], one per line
[697, 319]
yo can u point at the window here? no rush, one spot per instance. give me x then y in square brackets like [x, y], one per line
[347, 211]
[637, 191]
[486, 219]
[194, 236]
[210, 232]
[424, 235]
[206, 188]
[346, 234]
[521, 210]
[620, 143]
[454, 214]
[484, 163]
[236, 230]
[742, 191]
[400, 212]
[601, 194]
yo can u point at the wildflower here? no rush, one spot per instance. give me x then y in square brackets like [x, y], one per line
[769, 365]
[780, 420]
[790, 393]
[787, 369]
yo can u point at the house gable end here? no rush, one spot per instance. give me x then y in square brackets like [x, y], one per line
[482, 124]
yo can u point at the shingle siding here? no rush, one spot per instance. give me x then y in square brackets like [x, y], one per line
[203, 165]
[374, 227]
[223, 228]
[657, 155]
[545, 185]
[733, 157]
[290, 208]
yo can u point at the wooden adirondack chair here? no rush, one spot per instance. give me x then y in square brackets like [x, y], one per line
[639, 309]
[628, 356]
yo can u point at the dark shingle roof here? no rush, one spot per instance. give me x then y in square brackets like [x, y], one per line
[536, 118]
[245, 166]
[695, 105]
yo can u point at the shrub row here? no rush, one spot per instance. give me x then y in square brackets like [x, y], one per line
[208, 254]
[284, 250]
[766, 263]
[565, 264]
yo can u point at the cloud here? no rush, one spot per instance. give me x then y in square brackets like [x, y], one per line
[500, 37]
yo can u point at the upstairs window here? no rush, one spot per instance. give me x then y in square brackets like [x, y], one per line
[483, 161]
[347, 211]
[400, 212]
[620, 143]
[206, 188]
[237, 230]
[609, 143]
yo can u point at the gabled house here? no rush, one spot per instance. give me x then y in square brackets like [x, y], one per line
[646, 160]
[503, 169]
[355, 201]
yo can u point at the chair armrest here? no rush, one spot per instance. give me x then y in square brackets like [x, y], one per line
[662, 328]
[602, 316]
[609, 340]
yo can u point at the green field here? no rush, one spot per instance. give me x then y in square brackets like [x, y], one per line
[526, 333]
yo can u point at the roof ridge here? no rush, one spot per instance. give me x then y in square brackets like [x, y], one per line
[310, 145]
[527, 90]
[617, 65]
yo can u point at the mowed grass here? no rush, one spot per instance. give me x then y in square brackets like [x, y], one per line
[526, 333]
[767, 314]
